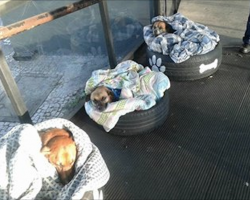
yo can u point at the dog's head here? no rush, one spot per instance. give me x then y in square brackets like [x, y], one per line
[100, 97]
[60, 149]
[160, 27]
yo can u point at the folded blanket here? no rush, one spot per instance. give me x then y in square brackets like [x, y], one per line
[189, 38]
[145, 86]
[26, 174]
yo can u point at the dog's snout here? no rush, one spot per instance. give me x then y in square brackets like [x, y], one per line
[101, 107]
[156, 31]
[66, 176]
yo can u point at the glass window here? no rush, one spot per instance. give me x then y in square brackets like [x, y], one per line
[127, 19]
[52, 62]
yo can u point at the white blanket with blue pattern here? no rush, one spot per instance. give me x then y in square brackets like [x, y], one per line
[26, 174]
[189, 38]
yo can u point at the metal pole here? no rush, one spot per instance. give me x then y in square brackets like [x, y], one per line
[12, 91]
[157, 7]
[43, 18]
[165, 7]
[107, 33]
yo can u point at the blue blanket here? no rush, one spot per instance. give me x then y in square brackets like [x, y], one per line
[188, 39]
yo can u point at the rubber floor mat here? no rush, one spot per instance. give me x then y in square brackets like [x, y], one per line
[201, 151]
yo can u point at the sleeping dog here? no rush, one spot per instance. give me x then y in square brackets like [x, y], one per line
[102, 96]
[160, 27]
[59, 148]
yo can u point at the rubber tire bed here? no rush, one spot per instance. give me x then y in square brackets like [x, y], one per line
[189, 69]
[143, 121]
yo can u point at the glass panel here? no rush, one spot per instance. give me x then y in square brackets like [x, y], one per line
[8, 117]
[80, 31]
[127, 19]
[51, 63]
[6, 110]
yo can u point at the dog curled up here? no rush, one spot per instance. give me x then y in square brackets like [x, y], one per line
[161, 27]
[60, 149]
[101, 96]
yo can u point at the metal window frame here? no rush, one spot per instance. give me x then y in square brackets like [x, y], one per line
[9, 83]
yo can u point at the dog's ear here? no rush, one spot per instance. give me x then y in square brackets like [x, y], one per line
[169, 28]
[110, 93]
[45, 150]
[69, 132]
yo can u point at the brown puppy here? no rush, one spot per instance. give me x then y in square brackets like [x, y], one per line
[160, 27]
[100, 97]
[59, 148]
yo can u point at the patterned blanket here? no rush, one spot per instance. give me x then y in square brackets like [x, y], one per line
[145, 86]
[26, 174]
[189, 38]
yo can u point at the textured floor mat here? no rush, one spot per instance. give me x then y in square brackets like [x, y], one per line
[201, 152]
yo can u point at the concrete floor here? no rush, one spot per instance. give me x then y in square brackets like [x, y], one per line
[200, 152]
[227, 17]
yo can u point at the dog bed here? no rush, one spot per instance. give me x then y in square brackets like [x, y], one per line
[196, 67]
[147, 88]
[143, 121]
[193, 51]
[26, 174]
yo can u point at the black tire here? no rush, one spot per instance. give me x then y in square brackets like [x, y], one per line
[144, 121]
[189, 69]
